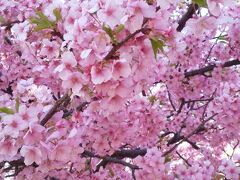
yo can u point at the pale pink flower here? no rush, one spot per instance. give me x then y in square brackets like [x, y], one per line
[111, 13]
[100, 74]
[73, 81]
[202, 24]
[50, 48]
[28, 114]
[214, 6]
[114, 104]
[69, 62]
[13, 125]
[8, 147]
[61, 152]
[139, 9]
[31, 154]
[34, 134]
[121, 68]
[165, 4]
[71, 16]
[20, 30]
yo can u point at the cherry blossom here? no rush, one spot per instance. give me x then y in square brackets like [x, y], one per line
[100, 74]
[20, 30]
[14, 124]
[50, 49]
[111, 13]
[119, 89]
[31, 154]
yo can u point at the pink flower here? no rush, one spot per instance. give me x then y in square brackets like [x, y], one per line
[61, 152]
[124, 88]
[139, 9]
[101, 145]
[111, 13]
[73, 81]
[50, 48]
[100, 74]
[14, 124]
[69, 62]
[113, 104]
[31, 154]
[214, 6]
[20, 30]
[71, 16]
[34, 134]
[28, 114]
[165, 4]
[8, 147]
[202, 24]
[121, 68]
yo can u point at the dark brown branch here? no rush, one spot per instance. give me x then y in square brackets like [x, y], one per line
[185, 160]
[53, 110]
[129, 153]
[210, 67]
[8, 25]
[82, 106]
[195, 131]
[188, 15]
[170, 100]
[117, 157]
[110, 159]
[120, 44]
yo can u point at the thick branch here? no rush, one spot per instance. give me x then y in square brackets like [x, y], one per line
[188, 15]
[128, 153]
[117, 157]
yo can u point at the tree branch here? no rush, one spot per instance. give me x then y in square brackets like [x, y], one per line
[195, 131]
[210, 67]
[117, 157]
[188, 15]
[120, 44]
[53, 110]
[185, 160]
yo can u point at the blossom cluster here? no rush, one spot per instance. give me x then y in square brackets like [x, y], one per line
[84, 80]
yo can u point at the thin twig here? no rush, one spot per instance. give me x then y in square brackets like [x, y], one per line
[195, 131]
[185, 160]
[170, 100]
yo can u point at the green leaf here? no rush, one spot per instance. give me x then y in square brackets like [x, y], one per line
[110, 33]
[57, 14]
[157, 45]
[119, 28]
[6, 110]
[201, 3]
[223, 38]
[1, 19]
[42, 22]
[17, 104]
